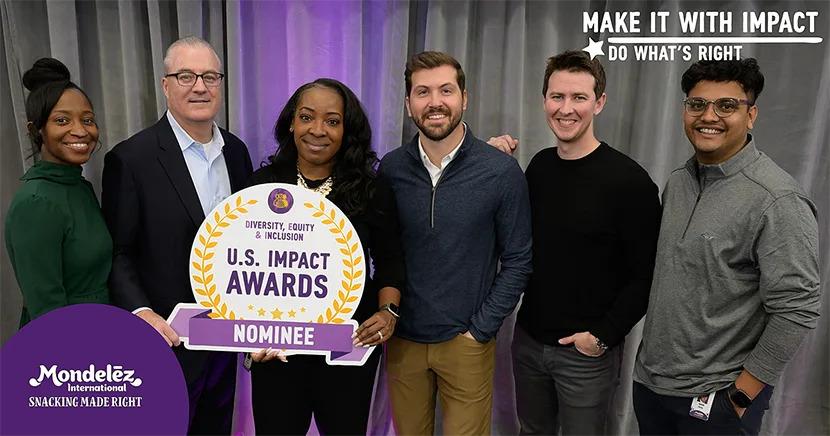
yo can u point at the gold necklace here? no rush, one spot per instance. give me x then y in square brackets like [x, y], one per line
[323, 189]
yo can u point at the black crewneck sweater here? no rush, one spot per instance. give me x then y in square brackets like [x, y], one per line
[595, 225]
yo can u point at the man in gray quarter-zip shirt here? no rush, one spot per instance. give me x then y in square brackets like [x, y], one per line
[463, 208]
[736, 282]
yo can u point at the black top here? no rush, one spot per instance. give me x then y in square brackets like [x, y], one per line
[595, 225]
[377, 228]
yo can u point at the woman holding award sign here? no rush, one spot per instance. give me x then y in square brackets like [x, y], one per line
[56, 238]
[325, 145]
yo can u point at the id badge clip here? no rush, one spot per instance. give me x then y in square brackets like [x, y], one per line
[701, 406]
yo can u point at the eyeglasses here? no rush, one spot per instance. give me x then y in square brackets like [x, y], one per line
[211, 79]
[724, 107]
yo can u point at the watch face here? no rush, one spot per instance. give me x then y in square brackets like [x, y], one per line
[394, 309]
[740, 398]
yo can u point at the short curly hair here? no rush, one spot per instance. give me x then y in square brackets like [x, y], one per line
[744, 71]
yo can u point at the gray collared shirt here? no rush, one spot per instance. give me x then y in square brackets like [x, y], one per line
[736, 281]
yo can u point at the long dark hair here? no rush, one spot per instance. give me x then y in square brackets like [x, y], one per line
[46, 80]
[354, 164]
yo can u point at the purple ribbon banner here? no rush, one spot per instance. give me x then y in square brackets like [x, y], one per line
[199, 332]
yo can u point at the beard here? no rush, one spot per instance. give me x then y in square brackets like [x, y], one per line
[438, 133]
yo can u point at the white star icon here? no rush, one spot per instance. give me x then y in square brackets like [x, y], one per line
[594, 48]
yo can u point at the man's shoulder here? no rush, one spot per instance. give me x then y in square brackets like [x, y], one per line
[626, 168]
[231, 139]
[140, 143]
[773, 179]
[482, 153]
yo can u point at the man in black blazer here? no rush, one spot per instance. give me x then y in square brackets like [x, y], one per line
[158, 185]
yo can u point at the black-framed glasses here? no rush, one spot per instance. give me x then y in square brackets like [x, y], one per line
[211, 79]
[724, 107]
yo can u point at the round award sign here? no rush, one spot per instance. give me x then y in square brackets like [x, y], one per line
[275, 266]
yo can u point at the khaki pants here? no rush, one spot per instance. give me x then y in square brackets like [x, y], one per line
[461, 370]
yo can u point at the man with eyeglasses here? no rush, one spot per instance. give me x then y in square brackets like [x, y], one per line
[158, 185]
[736, 282]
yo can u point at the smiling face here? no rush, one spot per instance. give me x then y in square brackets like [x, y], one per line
[70, 132]
[436, 103]
[318, 130]
[716, 139]
[197, 104]
[570, 107]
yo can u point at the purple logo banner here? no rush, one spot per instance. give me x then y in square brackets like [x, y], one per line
[199, 331]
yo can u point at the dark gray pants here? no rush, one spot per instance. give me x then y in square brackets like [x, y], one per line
[559, 386]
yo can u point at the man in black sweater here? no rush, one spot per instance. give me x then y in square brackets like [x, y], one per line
[595, 217]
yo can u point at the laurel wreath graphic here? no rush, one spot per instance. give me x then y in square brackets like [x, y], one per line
[350, 283]
[204, 251]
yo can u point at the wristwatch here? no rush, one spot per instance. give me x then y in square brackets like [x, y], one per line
[739, 397]
[391, 308]
[601, 345]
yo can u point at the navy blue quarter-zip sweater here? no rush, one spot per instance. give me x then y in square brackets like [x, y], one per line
[453, 238]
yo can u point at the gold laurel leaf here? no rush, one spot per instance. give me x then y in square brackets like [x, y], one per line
[253, 201]
[217, 234]
[242, 210]
[232, 315]
[351, 299]
[347, 263]
[349, 235]
[320, 319]
[224, 309]
[202, 239]
[331, 214]
[232, 216]
[224, 224]
[209, 228]
[317, 214]
[322, 206]
[198, 252]
[345, 252]
[327, 222]
[209, 256]
[209, 278]
[198, 279]
[208, 267]
[238, 203]
[342, 295]
[211, 244]
[227, 208]
[216, 216]
[206, 304]
[358, 259]
[342, 222]
[337, 321]
[211, 289]
[354, 248]
[328, 312]
[340, 240]
[356, 287]
[357, 273]
[345, 310]
[334, 230]
[308, 205]
[213, 315]
[216, 300]
[201, 291]
[347, 274]
[196, 266]
[336, 305]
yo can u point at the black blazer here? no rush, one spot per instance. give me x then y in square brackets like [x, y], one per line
[153, 212]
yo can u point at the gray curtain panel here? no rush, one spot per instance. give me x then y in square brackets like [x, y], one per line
[114, 51]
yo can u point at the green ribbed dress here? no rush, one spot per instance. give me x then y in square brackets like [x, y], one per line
[58, 244]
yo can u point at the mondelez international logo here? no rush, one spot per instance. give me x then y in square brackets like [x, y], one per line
[87, 376]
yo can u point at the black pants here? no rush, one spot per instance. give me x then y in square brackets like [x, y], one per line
[285, 395]
[664, 415]
[211, 382]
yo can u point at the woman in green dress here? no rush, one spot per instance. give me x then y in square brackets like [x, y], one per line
[56, 238]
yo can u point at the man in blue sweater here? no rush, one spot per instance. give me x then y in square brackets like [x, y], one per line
[463, 208]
